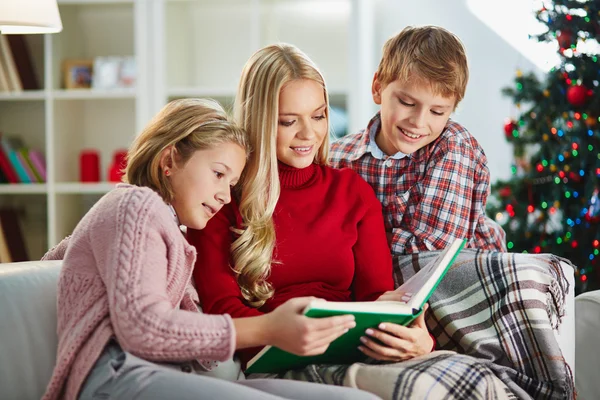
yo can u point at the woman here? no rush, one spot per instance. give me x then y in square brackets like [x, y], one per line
[127, 323]
[301, 228]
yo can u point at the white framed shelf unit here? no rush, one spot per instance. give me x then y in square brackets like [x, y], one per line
[183, 48]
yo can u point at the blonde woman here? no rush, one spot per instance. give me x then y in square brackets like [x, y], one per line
[127, 323]
[300, 227]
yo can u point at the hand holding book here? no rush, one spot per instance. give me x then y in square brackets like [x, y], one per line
[393, 342]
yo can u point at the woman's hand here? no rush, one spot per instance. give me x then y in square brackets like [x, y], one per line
[393, 342]
[291, 331]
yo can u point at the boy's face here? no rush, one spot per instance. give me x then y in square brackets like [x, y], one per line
[412, 116]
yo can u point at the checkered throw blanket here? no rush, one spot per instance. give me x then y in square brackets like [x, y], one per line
[493, 316]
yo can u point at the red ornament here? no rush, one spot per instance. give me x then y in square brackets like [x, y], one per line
[505, 191]
[577, 95]
[565, 39]
[509, 127]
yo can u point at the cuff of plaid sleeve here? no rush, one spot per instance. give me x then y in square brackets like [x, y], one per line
[434, 342]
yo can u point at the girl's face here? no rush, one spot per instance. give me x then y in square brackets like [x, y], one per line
[203, 185]
[302, 122]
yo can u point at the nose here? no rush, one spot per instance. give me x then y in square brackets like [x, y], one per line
[418, 117]
[306, 131]
[223, 196]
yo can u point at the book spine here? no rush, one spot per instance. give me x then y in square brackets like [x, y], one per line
[10, 66]
[22, 57]
[25, 164]
[7, 168]
[19, 168]
[39, 163]
[36, 177]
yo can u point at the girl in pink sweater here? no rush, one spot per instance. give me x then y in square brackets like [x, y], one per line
[128, 324]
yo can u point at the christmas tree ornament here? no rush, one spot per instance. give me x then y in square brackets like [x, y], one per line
[506, 191]
[577, 95]
[565, 39]
[509, 127]
[593, 208]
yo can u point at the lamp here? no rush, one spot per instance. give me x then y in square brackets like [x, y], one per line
[29, 16]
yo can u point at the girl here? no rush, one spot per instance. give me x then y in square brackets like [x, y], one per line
[302, 228]
[128, 326]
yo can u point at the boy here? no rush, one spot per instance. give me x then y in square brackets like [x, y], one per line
[428, 171]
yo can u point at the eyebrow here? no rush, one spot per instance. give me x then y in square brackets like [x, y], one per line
[223, 164]
[294, 114]
[442, 106]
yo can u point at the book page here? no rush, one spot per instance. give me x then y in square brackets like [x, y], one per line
[418, 288]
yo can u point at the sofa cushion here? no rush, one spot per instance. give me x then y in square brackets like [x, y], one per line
[587, 355]
[27, 327]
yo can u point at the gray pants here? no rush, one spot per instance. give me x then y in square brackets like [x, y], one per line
[120, 375]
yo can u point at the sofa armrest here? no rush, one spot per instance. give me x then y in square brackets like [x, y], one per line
[587, 352]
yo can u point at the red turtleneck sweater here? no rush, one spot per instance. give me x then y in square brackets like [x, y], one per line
[330, 243]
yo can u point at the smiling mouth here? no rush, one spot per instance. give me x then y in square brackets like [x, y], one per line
[302, 150]
[410, 134]
[211, 211]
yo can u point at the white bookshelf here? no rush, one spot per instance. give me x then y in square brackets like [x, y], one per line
[63, 122]
[183, 48]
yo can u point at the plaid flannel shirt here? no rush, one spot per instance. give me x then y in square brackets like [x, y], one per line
[430, 197]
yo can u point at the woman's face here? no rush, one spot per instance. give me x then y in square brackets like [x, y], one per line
[302, 122]
[203, 185]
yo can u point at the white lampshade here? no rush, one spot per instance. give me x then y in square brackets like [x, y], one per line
[29, 16]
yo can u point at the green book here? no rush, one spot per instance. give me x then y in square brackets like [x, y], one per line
[344, 350]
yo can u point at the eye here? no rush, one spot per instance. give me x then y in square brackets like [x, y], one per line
[287, 123]
[218, 174]
[405, 103]
[320, 117]
[439, 114]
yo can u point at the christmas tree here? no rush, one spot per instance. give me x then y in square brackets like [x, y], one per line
[551, 202]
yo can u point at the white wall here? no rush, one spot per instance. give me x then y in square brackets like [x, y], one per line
[492, 63]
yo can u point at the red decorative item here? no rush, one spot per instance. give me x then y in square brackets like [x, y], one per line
[117, 168]
[565, 39]
[505, 191]
[509, 127]
[577, 95]
[89, 166]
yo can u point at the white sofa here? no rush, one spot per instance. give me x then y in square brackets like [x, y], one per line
[28, 331]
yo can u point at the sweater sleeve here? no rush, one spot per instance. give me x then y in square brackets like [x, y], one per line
[215, 281]
[145, 321]
[373, 262]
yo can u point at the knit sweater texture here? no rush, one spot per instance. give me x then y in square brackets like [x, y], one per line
[126, 275]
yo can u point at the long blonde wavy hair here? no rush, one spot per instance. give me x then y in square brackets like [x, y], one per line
[256, 109]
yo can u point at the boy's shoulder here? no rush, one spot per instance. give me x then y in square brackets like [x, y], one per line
[353, 145]
[456, 137]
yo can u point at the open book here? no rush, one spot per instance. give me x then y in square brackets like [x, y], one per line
[344, 349]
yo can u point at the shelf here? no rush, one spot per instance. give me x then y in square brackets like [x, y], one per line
[25, 95]
[84, 188]
[201, 92]
[89, 94]
[23, 188]
[85, 2]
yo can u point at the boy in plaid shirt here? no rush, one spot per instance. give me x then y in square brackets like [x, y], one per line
[428, 171]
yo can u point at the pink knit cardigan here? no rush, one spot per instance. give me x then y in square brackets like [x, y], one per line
[126, 274]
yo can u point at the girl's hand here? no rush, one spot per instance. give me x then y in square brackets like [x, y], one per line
[291, 331]
[396, 342]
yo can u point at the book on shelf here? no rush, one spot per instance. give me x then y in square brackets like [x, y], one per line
[12, 234]
[344, 350]
[38, 163]
[6, 166]
[24, 63]
[9, 66]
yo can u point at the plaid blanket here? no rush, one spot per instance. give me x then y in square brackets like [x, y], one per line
[493, 316]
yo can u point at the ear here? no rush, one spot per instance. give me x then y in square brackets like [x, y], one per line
[166, 159]
[376, 89]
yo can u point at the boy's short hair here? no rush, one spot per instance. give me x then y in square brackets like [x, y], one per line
[431, 53]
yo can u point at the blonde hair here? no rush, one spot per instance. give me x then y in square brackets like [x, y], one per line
[256, 109]
[429, 53]
[187, 125]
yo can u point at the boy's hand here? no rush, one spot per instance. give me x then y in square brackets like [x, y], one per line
[396, 342]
